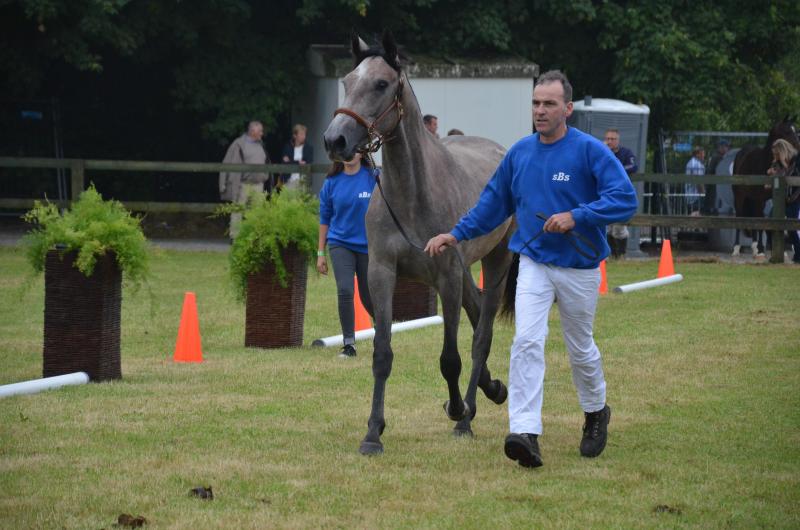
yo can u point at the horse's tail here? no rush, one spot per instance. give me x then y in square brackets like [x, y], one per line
[510, 294]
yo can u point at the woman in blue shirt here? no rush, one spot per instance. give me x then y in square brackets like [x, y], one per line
[343, 203]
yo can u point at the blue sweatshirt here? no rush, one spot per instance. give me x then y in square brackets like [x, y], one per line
[343, 202]
[578, 173]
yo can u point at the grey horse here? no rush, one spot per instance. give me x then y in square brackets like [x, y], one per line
[427, 185]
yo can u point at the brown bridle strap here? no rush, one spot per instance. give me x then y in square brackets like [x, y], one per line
[377, 139]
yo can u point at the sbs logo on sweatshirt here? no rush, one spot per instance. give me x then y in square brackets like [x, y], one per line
[561, 176]
[364, 195]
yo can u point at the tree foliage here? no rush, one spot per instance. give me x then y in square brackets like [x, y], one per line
[201, 69]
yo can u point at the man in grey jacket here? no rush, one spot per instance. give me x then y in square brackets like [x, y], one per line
[234, 186]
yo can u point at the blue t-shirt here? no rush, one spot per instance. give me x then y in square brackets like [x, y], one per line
[578, 173]
[343, 202]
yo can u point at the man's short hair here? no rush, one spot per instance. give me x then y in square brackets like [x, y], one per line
[612, 130]
[557, 76]
[428, 118]
[697, 150]
[299, 127]
[253, 125]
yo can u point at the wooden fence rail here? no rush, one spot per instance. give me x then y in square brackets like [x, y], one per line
[78, 168]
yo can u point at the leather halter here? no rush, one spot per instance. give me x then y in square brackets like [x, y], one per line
[376, 139]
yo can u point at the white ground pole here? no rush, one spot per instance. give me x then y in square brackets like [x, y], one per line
[649, 283]
[37, 385]
[336, 340]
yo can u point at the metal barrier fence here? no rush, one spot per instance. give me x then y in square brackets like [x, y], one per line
[676, 150]
[777, 223]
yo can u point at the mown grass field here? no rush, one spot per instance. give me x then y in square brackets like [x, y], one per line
[703, 379]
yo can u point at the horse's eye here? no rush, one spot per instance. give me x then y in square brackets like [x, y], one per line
[381, 85]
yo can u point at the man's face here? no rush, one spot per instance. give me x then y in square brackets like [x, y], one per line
[299, 137]
[722, 149]
[612, 140]
[701, 155]
[550, 111]
[433, 125]
[257, 132]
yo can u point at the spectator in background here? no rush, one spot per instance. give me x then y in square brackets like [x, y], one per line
[784, 162]
[695, 166]
[235, 186]
[298, 151]
[455, 132]
[618, 234]
[723, 146]
[431, 123]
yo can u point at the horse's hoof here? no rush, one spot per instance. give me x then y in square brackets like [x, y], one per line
[502, 393]
[370, 448]
[456, 417]
[463, 432]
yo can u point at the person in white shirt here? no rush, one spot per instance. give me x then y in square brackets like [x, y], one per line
[297, 151]
[695, 166]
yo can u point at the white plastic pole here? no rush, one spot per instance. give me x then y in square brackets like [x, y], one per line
[649, 283]
[336, 340]
[37, 385]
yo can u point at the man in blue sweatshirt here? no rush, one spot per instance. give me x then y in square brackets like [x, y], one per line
[578, 184]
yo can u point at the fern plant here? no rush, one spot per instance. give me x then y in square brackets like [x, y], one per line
[269, 225]
[90, 228]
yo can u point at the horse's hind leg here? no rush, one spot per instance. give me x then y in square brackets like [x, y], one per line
[495, 265]
[449, 287]
[381, 287]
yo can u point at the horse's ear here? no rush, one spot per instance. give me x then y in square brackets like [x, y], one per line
[357, 47]
[390, 49]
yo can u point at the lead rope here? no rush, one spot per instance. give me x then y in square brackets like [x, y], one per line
[576, 236]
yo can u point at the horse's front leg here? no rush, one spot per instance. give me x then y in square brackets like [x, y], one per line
[381, 287]
[449, 287]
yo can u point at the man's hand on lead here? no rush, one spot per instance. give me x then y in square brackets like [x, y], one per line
[560, 222]
[439, 243]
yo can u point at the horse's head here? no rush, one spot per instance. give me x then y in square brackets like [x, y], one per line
[372, 107]
[785, 129]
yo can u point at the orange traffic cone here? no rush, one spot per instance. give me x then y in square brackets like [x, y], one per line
[665, 266]
[603, 280]
[362, 317]
[480, 280]
[188, 348]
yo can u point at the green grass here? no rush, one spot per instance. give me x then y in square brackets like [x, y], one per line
[703, 379]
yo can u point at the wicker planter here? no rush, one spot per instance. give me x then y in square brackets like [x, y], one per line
[82, 318]
[413, 300]
[274, 314]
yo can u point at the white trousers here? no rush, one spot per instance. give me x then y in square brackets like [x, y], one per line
[538, 286]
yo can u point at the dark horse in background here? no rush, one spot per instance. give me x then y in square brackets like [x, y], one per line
[425, 187]
[749, 201]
